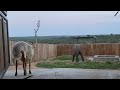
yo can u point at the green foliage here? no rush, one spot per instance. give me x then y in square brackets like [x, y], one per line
[108, 62]
[67, 40]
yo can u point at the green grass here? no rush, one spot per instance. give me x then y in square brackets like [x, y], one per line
[66, 62]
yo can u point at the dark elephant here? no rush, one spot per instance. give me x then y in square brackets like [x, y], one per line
[76, 53]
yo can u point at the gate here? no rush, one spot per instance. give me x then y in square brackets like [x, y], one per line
[4, 43]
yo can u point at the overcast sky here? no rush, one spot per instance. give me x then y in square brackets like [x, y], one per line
[23, 23]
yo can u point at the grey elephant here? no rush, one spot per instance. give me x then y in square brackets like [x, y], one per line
[76, 52]
[23, 51]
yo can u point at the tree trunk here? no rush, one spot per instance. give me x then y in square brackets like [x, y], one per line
[36, 37]
[36, 45]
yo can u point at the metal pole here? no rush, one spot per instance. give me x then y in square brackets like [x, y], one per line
[95, 40]
[116, 13]
[73, 40]
[3, 42]
[77, 40]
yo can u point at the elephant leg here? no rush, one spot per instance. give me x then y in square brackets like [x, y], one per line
[16, 68]
[82, 56]
[30, 67]
[73, 58]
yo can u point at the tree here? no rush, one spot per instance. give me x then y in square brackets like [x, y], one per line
[36, 30]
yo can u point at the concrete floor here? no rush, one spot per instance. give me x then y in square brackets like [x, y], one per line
[65, 73]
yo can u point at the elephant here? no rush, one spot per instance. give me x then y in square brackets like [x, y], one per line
[76, 51]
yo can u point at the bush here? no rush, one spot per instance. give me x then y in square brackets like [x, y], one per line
[108, 62]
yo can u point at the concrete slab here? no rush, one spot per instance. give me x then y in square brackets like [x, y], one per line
[65, 73]
[106, 58]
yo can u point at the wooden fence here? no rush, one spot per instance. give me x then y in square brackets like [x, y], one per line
[91, 49]
[46, 51]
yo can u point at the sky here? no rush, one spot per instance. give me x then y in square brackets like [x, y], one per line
[56, 23]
